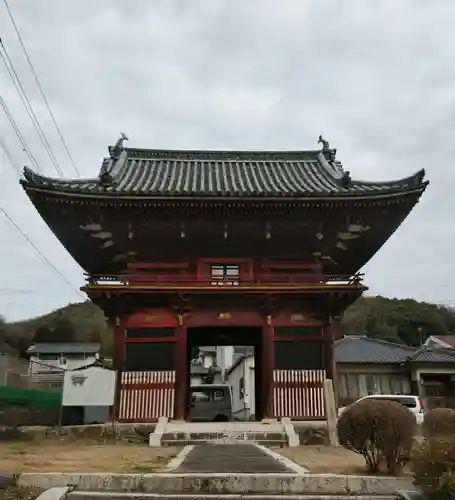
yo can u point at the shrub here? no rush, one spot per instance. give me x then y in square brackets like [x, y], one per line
[381, 431]
[437, 422]
[433, 464]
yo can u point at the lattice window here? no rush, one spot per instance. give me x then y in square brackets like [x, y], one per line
[225, 275]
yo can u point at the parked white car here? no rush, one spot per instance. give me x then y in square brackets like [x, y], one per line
[412, 403]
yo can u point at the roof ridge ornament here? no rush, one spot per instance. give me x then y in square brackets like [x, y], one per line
[326, 150]
[116, 150]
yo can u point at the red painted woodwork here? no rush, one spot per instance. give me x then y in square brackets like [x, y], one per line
[139, 340]
[329, 339]
[299, 394]
[268, 356]
[146, 396]
[204, 268]
[223, 317]
[181, 373]
[149, 318]
[295, 318]
[157, 265]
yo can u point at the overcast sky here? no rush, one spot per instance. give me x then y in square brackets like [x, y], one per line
[376, 77]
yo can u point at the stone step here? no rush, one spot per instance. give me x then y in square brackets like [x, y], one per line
[216, 436]
[100, 495]
[282, 443]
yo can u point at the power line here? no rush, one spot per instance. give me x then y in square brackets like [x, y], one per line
[38, 251]
[10, 158]
[16, 129]
[43, 95]
[28, 107]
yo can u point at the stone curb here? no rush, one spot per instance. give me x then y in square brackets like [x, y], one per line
[222, 483]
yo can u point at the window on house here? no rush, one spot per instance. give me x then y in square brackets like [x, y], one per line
[370, 383]
[225, 274]
[352, 385]
[241, 388]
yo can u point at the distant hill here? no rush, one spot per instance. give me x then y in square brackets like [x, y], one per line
[83, 322]
[399, 320]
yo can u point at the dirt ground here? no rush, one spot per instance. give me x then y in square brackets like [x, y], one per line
[69, 455]
[326, 459]
[20, 494]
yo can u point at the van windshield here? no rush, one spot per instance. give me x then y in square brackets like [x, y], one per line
[403, 400]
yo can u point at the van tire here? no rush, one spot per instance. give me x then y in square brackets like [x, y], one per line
[220, 418]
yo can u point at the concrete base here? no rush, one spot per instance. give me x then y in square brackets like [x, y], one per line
[293, 437]
[216, 484]
[273, 433]
[156, 436]
[91, 495]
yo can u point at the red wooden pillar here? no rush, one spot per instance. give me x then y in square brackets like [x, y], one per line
[118, 359]
[181, 371]
[268, 356]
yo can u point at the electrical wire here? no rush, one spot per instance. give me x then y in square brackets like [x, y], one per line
[27, 105]
[38, 251]
[43, 95]
[19, 135]
[10, 158]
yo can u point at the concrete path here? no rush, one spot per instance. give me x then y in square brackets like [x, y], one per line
[230, 458]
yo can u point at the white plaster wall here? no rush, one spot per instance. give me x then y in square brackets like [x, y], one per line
[208, 360]
[94, 386]
[242, 408]
[195, 379]
[224, 356]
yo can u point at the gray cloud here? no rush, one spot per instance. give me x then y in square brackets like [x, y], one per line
[376, 77]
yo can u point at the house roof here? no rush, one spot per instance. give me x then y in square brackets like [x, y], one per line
[430, 355]
[355, 349]
[360, 349]
[243, 174]
[442, 340]
[64, 348]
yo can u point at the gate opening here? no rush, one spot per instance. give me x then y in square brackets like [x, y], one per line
[236, 367]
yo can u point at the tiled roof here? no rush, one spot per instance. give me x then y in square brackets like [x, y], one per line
[64, 348]
[356, 349]
[430, 355]
[158, 173]
[445, 339]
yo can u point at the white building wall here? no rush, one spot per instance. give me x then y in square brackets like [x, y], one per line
[243, 405]
[224, 356]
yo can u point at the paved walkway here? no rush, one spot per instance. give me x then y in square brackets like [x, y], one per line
[219, 458]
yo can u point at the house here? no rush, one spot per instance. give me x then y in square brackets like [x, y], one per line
[372, 366]
[212, 363]
[444, 341]
[55, 357]
[204, 369]
[240, 378]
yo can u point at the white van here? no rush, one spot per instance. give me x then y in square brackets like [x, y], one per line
[412, 403]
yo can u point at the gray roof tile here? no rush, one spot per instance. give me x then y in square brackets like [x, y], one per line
[158, 173]
[64, 348]
[355, 349]
[431, 355]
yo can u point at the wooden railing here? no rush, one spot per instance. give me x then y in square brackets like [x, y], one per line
[193, 280]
